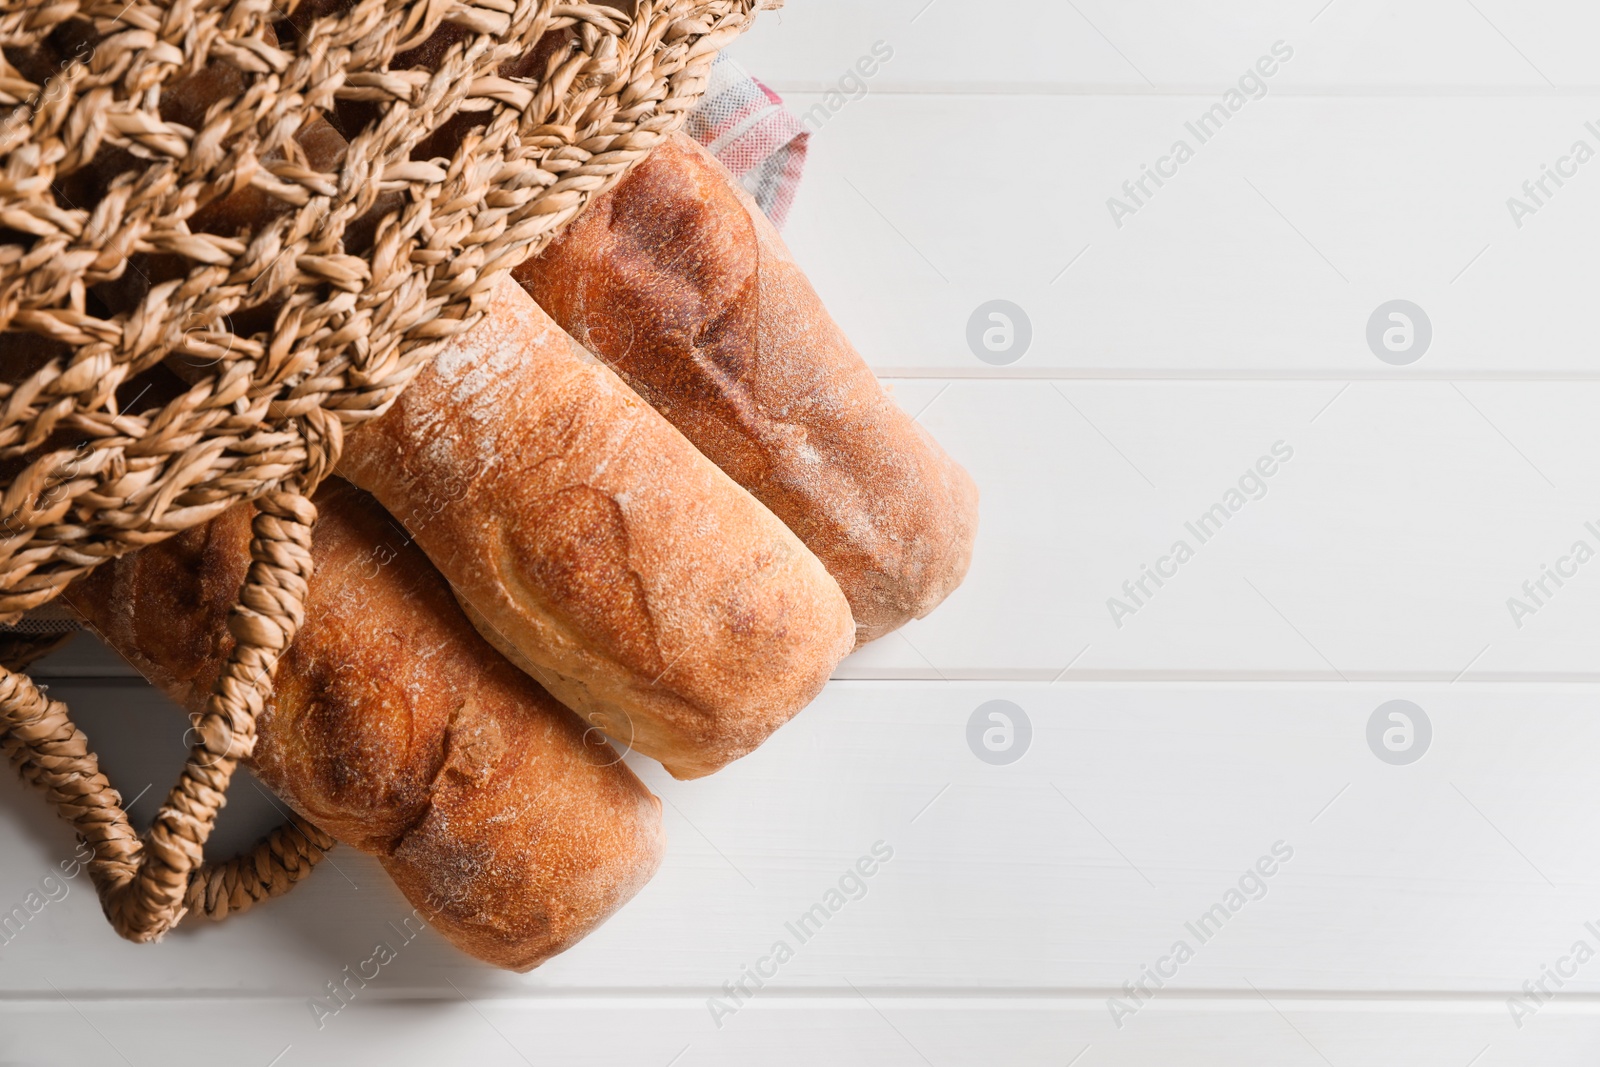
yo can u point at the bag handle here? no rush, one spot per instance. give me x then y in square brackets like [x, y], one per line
[147, 885]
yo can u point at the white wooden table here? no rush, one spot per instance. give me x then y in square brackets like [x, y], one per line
[1177, 742]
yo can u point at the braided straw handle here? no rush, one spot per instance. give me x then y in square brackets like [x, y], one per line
[146, 886]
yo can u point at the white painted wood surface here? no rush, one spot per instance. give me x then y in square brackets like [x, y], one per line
[1169, 754]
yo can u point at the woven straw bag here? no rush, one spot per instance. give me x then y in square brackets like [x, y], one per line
[266, 416]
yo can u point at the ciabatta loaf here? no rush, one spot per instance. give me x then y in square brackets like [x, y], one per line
[395, 728]
[677, 280]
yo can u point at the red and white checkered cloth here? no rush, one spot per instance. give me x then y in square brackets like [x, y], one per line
[745, 125]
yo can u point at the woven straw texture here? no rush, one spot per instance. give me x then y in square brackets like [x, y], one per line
[316, 318]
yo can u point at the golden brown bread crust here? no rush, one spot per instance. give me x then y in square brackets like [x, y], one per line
[396, 729]
[676, 279]
[597, 548]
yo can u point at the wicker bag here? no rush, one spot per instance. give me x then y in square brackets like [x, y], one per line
[266, 416]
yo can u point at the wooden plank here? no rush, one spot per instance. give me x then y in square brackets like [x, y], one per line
[1103, 45]
[1134, 813]
[1391, 545]
[1264, 255]
[875, 1028]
